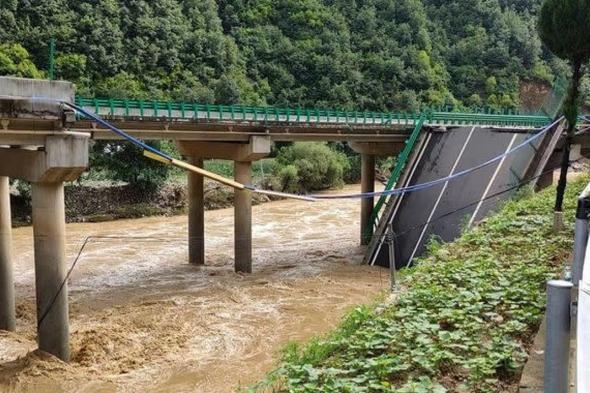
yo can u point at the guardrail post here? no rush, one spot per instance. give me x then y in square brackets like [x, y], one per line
[580, 238]
[583, 337]
[557, 336]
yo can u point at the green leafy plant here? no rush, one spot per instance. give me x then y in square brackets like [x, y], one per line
[464, 323]
[312, 166]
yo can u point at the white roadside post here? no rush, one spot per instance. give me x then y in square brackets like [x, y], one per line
[583, 308]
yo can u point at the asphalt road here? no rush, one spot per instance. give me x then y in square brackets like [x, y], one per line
[445, 210]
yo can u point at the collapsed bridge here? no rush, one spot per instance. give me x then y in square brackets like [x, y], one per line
[44, 142]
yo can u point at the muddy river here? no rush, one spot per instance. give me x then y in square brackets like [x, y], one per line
[143, 320]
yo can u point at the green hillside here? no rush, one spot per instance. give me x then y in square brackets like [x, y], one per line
[372, 55]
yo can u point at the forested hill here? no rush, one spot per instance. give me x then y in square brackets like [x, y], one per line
[362, 54]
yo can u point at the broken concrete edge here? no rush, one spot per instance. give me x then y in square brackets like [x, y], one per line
[34, 98]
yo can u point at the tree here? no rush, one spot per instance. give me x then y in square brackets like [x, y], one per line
[563, 27]
[15, 61]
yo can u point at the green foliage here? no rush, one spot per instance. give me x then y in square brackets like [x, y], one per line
[15, 61]
[564, 29]
[369, 55]
[311, 166]
[125, 162]
[289, 180]
[463, 323]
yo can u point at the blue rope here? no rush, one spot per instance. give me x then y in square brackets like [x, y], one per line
[117, 131]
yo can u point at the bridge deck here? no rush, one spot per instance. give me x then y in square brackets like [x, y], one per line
[188, 121]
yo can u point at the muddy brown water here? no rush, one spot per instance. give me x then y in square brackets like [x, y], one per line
[143, 320]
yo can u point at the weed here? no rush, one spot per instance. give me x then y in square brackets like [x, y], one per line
[463, 324]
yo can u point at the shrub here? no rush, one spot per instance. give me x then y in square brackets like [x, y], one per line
[318, 167]
[125, 162]
[289, 178]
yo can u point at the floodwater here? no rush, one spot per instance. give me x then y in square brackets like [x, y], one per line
[143, 320]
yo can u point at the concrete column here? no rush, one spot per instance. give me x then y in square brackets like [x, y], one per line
[50, 268]
[196, 216]
[243, 219]
[7, 311]
[367, 185]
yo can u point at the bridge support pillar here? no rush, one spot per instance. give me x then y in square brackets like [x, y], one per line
[196, 215]
[369, 151]
[47, 156]
[50, 268]
[367, 204]
[243, 219]
[7, 310]
[242, 154]
[64, 157]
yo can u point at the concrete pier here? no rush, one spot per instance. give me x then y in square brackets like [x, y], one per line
[243, 219]
[242, 154]
[369, 151]
[7, 310]
[196, 215]
[50, 268]
[367, 204]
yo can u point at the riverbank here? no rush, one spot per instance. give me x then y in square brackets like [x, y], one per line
[143, 320]
[105, 201]
[465, 321]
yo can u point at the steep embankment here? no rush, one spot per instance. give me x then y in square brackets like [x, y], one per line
[464, 323]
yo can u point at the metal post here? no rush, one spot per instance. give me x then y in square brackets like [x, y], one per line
[391, 243]
[51, 73]
[557, 339]
[580, 239]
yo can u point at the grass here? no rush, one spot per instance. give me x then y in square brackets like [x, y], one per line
[464, 324]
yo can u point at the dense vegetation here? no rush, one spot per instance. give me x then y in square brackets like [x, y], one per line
[464, 323]
[371, 55]
[364, 55]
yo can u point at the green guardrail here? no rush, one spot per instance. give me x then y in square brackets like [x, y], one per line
[400, 165]
[185, 110]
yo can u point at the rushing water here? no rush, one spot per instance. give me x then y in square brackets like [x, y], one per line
[144, 320]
